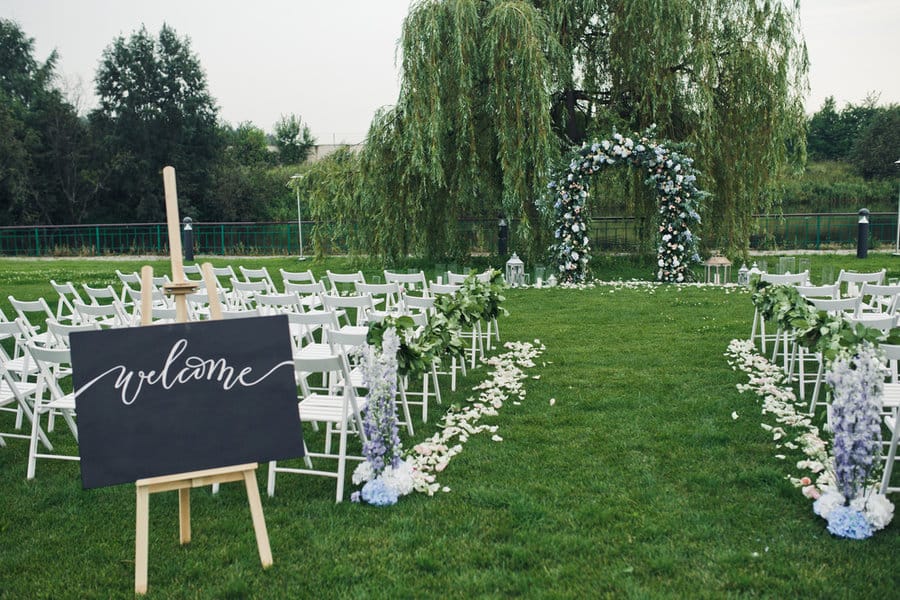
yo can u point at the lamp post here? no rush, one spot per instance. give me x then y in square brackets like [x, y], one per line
[298, 179]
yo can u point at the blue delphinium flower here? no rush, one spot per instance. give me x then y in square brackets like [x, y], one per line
[846, 522]
[377, 493]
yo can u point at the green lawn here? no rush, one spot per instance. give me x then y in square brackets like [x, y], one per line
[637, 482]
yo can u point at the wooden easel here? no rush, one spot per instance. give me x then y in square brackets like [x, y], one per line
[183, 482]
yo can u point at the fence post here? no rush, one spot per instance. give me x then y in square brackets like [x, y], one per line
[97, 237]
[222, 234]
[818, 231]
[37, 242]
[158, 240]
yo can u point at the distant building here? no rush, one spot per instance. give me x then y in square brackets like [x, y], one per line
[320, 151]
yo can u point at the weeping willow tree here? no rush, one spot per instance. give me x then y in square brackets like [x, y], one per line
[725, 76]
[494, 92]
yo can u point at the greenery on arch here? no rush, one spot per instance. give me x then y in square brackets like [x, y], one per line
[672, 175]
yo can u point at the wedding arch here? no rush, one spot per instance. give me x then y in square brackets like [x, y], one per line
[670, 173]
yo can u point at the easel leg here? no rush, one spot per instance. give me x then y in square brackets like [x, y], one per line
[141, 539]
[184, 515]
[259, 521]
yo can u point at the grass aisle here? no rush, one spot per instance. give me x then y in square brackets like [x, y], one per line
[635, 483]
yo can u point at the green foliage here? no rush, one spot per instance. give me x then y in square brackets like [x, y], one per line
[45, 172]
[834, 186]
[878, 146]
[293, 139]
[831, 134]
[475, 301]
[155, 110]
[815, 330]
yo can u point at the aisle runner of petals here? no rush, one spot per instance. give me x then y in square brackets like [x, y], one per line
[794, 430]
[503, 383]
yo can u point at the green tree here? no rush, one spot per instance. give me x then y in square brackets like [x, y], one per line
[155, 110]
[877, 147]
[493, 93]
[45, 148]
[293, 139]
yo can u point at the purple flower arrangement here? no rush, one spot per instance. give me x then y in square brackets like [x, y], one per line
[385, 474]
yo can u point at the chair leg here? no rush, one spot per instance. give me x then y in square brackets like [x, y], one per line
[891, 457]
[342, 462]
[270, 484]
[815, 396]
[32, 445]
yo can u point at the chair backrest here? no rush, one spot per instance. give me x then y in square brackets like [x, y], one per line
[239, 314]
[194, 271]
[60, 332]
[362, 304]
[390, 292]
[419, 304]
[854, 279]
[110, 315]
[819, 291]
[296, 277]
[438, 288]
[49, 362]
[456, 278]
[787, 279]
[257, 275]
[882, 322]
[273, 304]
[344, 281]
[305, 325]
[335, 363]
[879, 298]
[410, 281]
[224, 276]
[846, 306]
[67, 293]
[345, 341]
[245, 292]
[101, 295]
[33, 313]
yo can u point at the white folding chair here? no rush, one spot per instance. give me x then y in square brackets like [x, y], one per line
[877, 300]
[385, 296]
[33, 313]
[276, 304]
[257, 275]
[782, 337]
[342, 283]
[60, 332]
[845, 307]
[363, 306]
[296, 277]
[340, 409]
[891, 418]
[346, 343]
[411, 282]
[851, 281]
[105, 315]
[65, 312]
[16, 391]
[437, 290]
[310, 293]
[49, 399]
[245, 293]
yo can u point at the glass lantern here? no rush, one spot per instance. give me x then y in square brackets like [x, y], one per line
[515, 271]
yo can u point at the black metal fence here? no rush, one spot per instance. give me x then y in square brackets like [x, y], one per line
[788, 232]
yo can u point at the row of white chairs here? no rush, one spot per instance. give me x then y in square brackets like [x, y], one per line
[858, 298]
[35, 391]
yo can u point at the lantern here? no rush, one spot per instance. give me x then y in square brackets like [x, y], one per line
[744, 275]
[515, 271]
[718, 269]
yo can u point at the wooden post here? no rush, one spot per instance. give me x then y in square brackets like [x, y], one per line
[183, 482]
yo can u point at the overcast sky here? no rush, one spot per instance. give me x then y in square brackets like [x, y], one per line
[333, 61]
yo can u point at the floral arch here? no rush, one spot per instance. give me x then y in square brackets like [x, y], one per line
[673, 176]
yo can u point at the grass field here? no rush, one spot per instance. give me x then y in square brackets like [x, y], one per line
[637, 482]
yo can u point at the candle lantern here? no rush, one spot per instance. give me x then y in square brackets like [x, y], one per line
[718, 269]
[515, 271]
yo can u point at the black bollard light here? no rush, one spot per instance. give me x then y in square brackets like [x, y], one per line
[502, 236]
[862, 240]
[188, 238]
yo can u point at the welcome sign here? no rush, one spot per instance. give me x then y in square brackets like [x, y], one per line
[166, 399]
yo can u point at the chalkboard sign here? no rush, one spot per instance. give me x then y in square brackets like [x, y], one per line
[166, 399]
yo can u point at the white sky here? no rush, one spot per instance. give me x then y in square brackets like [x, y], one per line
[333, 61]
